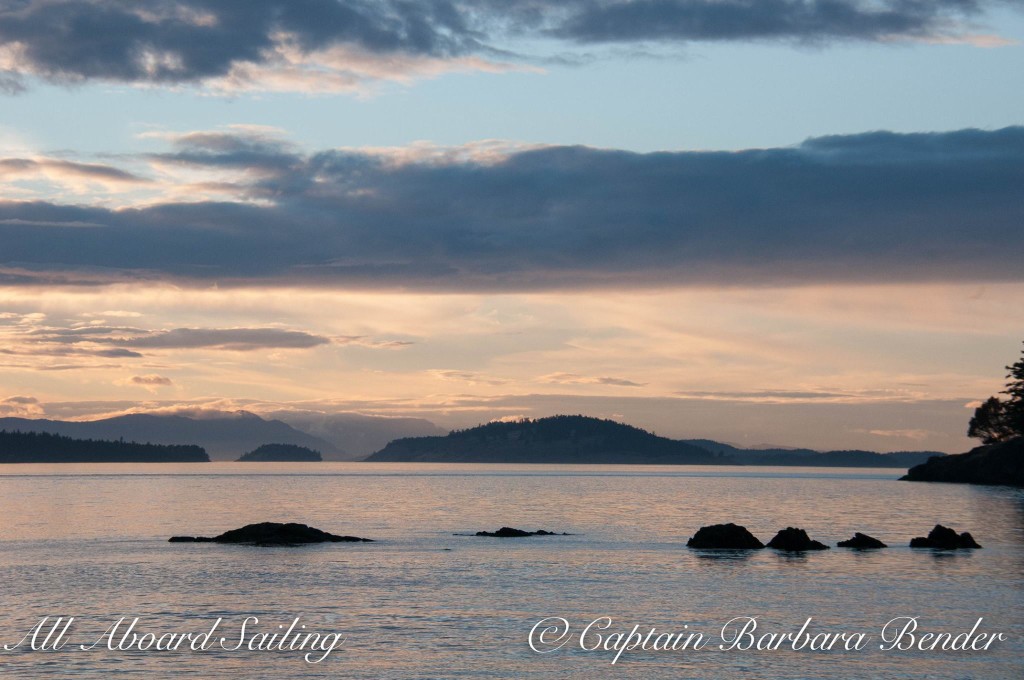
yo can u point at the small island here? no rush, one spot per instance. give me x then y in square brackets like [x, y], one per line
[42, 447]
[281, 453]
[510, 532]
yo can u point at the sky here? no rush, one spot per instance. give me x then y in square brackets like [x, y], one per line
[785, 222]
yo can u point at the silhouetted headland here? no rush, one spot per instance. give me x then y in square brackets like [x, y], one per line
[272, 533]
[997, 464]
[281, 453]
[42, 447]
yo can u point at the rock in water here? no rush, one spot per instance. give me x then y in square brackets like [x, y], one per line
[795, 540]
[272, 533]
[944, 538]
[724, 537]
[509, 532]
[862, 542]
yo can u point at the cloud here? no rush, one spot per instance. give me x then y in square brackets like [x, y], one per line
[339, 45]
[510, 419]
[875, 207]
[364, 341]
[80, 345]
[20, 407]
[916, 435]
[234, 339]
[576, 379]
[793, 396]
[470, 377]
[60, 169]
[336, 43]
[58, 351]
[151, 380]
[114, 313]
[795, 20]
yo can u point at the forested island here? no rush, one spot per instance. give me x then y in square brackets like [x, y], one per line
[42, 447]
[584, 440]
[281, 453]
[558, 439]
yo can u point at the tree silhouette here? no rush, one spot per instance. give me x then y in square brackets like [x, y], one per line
[997, 420]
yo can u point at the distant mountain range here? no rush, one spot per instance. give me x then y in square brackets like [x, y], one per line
[355, 434]
[349, 436]
[580, 439]
[225, 437]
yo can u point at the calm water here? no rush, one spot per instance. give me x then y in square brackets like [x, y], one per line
[90, 541]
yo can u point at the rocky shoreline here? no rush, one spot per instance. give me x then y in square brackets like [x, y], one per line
[999, 464]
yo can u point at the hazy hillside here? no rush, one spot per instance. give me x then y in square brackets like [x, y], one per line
[355, 434]
[225, 437]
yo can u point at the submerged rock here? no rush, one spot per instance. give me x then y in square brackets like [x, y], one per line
[272, 533]
[944, 538]
[509, 532]
[795, 540]
[724, 537]
[862, 542]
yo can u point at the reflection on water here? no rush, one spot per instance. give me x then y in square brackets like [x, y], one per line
[90, 541]
[724, 555]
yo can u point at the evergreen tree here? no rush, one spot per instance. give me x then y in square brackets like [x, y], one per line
[997, 420]
[1015, 390]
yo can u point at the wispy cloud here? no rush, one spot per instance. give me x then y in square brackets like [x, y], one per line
[79, 345]
[468, 377]
[913, 435]
[576, 379]
[20, 407]
[234, 339]
[59, 168]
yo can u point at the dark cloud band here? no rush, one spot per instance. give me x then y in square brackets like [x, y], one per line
[876, 207]
[180, 41]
